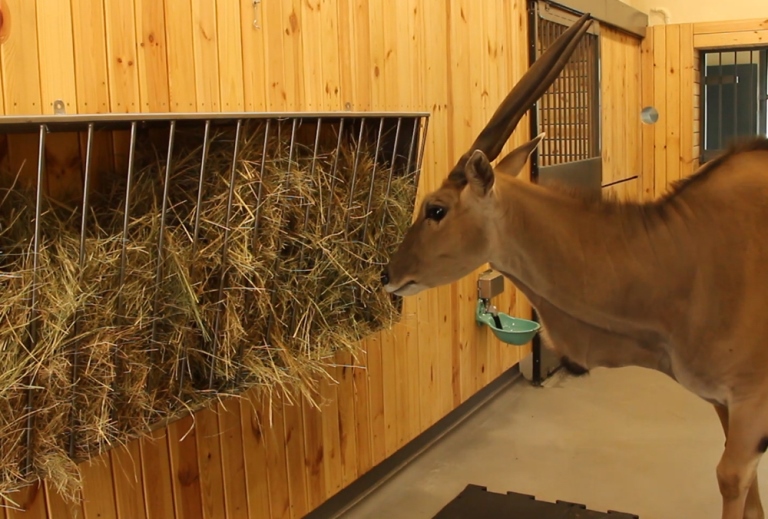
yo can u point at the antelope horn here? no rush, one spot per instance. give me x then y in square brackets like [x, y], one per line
[527, 91]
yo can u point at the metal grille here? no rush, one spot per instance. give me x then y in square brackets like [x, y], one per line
[734, 93]
[569, 111]
[380, 147]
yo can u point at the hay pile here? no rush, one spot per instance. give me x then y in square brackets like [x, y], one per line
[118, 350]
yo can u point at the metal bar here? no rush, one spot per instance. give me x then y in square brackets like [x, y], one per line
[300, 266]
[311, 175]
[33, 303]
[720, 144]
[203, 163]
[224, 250]
[412, 146]
[354, 175]
[333, 177]
[195, 236]
[391, 170]
[373, 180]
[11, 123]
[735, 94]
[420, 158]
[126, 219]
[257, 216]
[161, 237]
[81, 265]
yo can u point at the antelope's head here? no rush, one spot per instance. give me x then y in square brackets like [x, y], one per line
[450, 235]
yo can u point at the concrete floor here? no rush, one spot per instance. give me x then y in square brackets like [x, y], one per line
[627, 439]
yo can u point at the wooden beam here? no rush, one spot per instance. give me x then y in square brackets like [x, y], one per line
[726, 40]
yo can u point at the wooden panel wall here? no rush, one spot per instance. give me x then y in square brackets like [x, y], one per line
[245, 458]
[620, 92]
[670, 82]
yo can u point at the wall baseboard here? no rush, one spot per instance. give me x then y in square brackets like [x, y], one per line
[350, 496]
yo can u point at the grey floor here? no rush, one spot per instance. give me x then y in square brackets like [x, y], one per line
[625, 439]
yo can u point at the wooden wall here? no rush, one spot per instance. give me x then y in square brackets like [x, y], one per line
[670, 64]
[458, 59]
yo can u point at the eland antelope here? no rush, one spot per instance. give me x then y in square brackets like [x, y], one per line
[677, 284]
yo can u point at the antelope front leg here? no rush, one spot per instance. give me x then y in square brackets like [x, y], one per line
[753, 508]
[746, 431]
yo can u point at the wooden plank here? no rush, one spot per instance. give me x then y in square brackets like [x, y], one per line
[292, 54]
[276, 467]
[157, 479]
[205, 49]
[27, 503]
[63, 167]
[687, 126]
[20, 61]
[312, 44]
[121, 57]
[233, 459]
[209, 463]
[57, 58]
[128, 475]
[230, 51]
[660, 102]
[314, 454]
[376, 398]
[332, 472]
[293, 443]
[254, 60]
[181, 62]
[90, 51]
[99, 500]
[390, 382]
[647, 99]
[673, 96]
[346, 421]
[273, 26]
[58, 508]
[152, 56]
[725, 40]
[363, 432]
[753, 24]
[185, 471]
[254, 425]
[331, 59]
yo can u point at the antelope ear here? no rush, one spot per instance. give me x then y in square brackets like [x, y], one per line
[479, 173]
[513, 163]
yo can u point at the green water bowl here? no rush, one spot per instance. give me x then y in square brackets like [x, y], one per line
[513, 329]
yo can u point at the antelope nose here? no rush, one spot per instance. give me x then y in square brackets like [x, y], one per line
[384, 277]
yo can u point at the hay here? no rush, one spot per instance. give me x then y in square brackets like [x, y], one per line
[299, 281]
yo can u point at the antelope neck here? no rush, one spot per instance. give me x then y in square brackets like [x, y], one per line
[612, 267]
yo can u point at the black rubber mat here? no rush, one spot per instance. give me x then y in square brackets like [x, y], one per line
[475, 502]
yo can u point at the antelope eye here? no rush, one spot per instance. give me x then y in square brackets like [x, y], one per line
[435, 212]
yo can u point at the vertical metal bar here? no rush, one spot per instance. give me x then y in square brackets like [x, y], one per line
[257, 215]
[123, 259]
[334, 170]
[735, 94]
[81, 265]
[224, 251]
[721, 145]
[354, 176]
[754, 92]
[391, 170]
[412, 146]
[200, 182]
[311, 175]
[126, 219]
[300, 266]
[33, 302]
[420, 158]
[161, 237]
[373, 181]
[195, 236]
